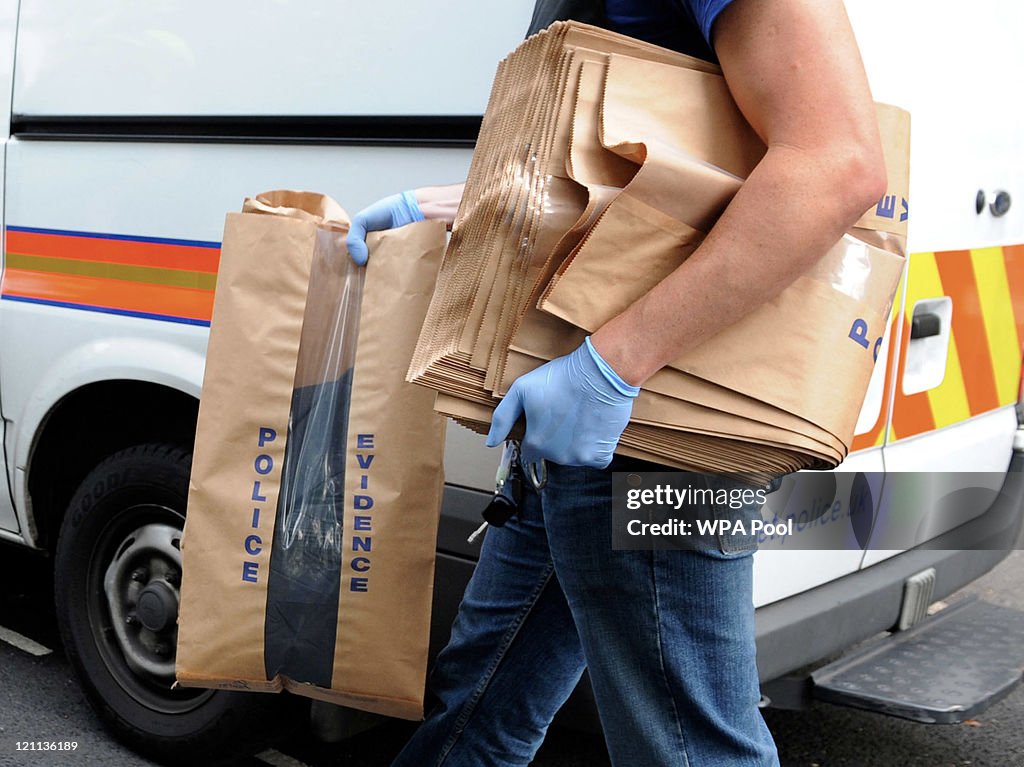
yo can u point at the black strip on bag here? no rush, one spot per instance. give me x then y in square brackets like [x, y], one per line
[305, 559]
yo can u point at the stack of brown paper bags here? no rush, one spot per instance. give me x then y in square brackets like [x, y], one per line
[601, 164]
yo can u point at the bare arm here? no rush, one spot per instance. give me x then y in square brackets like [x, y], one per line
[795, 71]
[440, 203]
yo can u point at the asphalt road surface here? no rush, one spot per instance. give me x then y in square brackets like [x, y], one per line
[39, 700]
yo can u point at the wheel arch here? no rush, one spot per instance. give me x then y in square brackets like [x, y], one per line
[87, 425]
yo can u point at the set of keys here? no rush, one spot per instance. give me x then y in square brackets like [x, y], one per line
[508, 490]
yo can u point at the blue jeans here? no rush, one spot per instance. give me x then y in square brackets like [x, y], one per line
[667, 636]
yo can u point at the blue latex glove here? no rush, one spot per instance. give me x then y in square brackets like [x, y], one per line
[389, 213]
[576, 408]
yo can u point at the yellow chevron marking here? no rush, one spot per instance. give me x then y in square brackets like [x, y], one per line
[1000, 325]
[948, 400]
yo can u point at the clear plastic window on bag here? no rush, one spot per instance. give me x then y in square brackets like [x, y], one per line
[303, 586]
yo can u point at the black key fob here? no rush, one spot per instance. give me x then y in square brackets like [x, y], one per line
[499, 511]
[508, 488]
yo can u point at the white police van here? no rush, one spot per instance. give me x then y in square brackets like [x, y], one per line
[129, 130]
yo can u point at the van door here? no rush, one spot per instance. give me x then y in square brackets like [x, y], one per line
[959, 347]
[8, 25]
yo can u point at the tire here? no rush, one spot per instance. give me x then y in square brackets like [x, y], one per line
[116, 576]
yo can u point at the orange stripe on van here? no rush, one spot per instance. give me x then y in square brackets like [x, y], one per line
[139, 297]
[1014, 257]
[958, 281]
[911, 413]
[114, 251]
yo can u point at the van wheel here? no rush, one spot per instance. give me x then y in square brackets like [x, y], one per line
[116, 577]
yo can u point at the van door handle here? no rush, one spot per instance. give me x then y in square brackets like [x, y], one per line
[925, 325]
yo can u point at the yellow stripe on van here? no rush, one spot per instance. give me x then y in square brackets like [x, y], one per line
[1000, 325]
[949, 399]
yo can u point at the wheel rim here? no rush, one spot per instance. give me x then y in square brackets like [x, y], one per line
[132, 600]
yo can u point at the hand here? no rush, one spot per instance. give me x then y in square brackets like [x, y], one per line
[389, 213]
[576, 408]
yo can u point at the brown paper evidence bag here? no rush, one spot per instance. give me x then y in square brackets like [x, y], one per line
[308, 551]
[601, 164]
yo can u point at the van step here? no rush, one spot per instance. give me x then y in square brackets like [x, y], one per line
[946, 669]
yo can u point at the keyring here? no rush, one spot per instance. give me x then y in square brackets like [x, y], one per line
[531, 472]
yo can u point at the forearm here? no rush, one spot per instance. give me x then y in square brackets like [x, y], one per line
[440, 203]
[793, 208]
[795, 72]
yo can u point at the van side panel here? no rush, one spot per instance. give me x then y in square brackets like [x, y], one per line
[953, 387]
[8, 34]
[236, 57]
[955, 67]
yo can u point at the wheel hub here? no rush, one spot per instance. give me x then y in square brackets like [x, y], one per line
[157, 607]
[140, 586]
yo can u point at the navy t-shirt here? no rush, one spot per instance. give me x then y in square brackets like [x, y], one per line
[680, 25]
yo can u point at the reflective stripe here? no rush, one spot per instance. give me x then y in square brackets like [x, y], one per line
[983, 367]
[912, 413]
[974, 359]
[1000, 325]
[151, 278]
